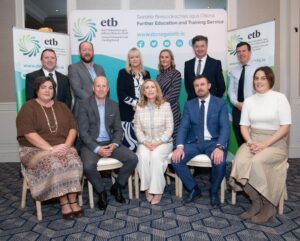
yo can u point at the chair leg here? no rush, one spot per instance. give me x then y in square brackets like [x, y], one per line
[80, 202]
[223, 188]
[24, 192]
[179, 186]
[281, 201]
[130, 187]
[233, 197]
[91, 194]
[136, 184]
[39, 210]
[167, 177]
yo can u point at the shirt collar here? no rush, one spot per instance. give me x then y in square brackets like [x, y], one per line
[46, 72]
[203, 59]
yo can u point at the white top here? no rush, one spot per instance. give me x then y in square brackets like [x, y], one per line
[207, 135]
[266, 111]
[234, 77]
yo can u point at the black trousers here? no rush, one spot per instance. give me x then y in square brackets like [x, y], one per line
[236, 117]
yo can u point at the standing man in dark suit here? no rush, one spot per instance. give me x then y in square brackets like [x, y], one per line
[83, 73]
[49, 60]
[101, 132]
[205, 65]
[204, 129]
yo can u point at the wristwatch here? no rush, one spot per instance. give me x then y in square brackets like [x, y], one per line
[219, 146]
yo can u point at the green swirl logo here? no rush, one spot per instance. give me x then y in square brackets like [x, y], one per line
[84, 29]
[29, 45]
[232, 42]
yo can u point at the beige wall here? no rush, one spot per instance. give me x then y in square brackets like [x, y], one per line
[7, 21]
[259, 11]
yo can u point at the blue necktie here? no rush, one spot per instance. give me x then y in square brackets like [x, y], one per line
[201, 122]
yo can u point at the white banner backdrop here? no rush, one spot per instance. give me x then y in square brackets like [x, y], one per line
[28, 45]
[114, 32]
[261, 37]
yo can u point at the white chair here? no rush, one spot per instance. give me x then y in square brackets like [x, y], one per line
[168, 174]
[38, 204]
[283, 197]
[106, 164]
[202, 160]
[24, 194]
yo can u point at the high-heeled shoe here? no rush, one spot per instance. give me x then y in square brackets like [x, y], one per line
[79, 213]
[149, 196]
[67, 216]
[156, 199]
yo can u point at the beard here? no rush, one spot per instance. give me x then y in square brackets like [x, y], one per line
[86, 59]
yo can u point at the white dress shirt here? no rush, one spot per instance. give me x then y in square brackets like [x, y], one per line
[203, 61]
[234, 77]
[207, 135]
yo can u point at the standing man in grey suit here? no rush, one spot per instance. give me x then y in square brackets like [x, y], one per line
[101, 132]
[49, 60]
[205, 65]
[83, 73]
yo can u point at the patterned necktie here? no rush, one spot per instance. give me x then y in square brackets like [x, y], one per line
[201, 122]
[241, 86]
[51, 75]
[199, 67]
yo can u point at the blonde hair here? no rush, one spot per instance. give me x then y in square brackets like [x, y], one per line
[128, 67]
[160, 67]
[159, 97]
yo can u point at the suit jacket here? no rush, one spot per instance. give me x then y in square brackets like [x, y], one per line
[163, 123]
[82, 82]
[212, 70]
[217, 122]
[88, 121]
[63, 93]
[125, 89]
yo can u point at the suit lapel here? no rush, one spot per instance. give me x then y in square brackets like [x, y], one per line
[207, 63]
[94, 106]
[59, 84]
[196, 109]
[85, 71]
[210, 107]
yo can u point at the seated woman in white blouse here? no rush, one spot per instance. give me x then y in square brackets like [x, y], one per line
[153, 126]
[260, 165]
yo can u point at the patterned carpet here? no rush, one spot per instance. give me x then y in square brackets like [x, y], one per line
[138, 220]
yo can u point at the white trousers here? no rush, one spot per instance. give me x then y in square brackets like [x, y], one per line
[152, 166]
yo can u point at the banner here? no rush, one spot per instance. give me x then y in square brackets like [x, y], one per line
[28, 45]
[114, 32]
[261, 37]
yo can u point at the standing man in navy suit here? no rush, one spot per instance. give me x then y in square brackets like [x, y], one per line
[204, 129]
[49, 60]
[205, 65]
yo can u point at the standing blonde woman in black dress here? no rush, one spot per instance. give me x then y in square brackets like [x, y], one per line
[169, 80]
[129, 82]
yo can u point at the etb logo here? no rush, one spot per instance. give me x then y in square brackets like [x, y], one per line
[111, 22]
[51, 42]
[255, 34]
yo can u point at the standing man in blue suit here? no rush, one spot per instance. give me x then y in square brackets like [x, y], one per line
[205, 65]
[83, 73]
[204, 129]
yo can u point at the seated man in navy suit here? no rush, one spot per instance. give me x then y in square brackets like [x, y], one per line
[204, 129]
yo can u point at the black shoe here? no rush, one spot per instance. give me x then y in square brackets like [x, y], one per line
[192, 195]
[214, 200]
[102, 202]
[116, 191]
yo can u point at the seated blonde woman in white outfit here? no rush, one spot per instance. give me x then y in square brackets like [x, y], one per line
[153, 126]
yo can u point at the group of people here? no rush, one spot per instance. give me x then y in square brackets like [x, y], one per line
[145, 126]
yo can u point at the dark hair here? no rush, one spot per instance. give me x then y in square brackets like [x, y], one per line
[41, 80]
[199, 38]
[200, 76]
[269, 75]
[47, 50]
[240, 44]
[86, 42]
